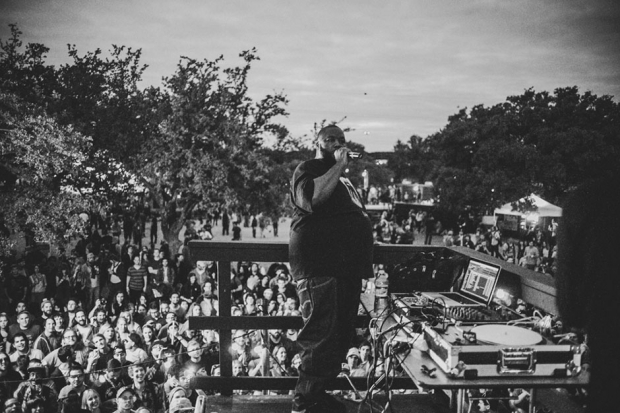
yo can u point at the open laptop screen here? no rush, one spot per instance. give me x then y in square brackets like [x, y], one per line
[480, 280]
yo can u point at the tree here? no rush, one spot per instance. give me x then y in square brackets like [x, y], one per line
[196, 142]
[411, 159]
[23, 70]
[42, 158]
[535, 142]
[208, 150]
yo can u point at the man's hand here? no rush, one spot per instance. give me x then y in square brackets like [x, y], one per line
[341, 155]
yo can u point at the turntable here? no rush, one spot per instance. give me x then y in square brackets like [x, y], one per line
[495, 350]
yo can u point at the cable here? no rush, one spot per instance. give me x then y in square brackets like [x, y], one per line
[389, 358]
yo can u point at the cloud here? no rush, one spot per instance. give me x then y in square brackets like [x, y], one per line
[394, 69]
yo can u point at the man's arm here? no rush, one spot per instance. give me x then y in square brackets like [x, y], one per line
[325, 184]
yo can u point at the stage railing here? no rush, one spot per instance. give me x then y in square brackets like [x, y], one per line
[539, 287]
[225, 253]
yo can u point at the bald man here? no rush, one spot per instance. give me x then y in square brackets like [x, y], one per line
[330, 251]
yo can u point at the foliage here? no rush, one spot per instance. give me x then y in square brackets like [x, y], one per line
[42, 157]
[411, 160]
[208, 148]
[196, 142]
[23, 69]
[533, 143]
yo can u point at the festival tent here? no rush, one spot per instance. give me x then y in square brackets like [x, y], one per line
[506, 218]
[543, 208]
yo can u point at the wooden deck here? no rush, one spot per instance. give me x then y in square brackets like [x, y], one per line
[419, 403]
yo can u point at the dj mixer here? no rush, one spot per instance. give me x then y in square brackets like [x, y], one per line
[419, 307]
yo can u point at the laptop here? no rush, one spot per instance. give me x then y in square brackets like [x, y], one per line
[477, 289]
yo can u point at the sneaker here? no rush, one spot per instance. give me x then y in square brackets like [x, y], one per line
[325, 403]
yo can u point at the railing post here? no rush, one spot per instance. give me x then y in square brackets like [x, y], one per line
[225, 302]
[265, 357]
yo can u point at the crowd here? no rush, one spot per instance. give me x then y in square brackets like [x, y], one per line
[535, 248]
[105, 328]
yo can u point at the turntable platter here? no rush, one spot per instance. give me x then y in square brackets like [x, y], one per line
[506, 335]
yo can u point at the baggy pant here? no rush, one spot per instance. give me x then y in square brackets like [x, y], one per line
[329, 308]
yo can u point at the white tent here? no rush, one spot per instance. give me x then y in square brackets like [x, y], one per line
[543, 208]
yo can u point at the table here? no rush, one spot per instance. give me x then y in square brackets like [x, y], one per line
[413, 361]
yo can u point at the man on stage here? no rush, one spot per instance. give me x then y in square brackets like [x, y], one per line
[330, 251]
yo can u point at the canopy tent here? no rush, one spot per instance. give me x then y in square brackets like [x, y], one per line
[543, 208]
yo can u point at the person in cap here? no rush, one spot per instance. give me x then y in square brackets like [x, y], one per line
[110, 381]
[155, 361]
[71, 402]
[125, 398]
[47, 310]
[353, 363]
[36, 386]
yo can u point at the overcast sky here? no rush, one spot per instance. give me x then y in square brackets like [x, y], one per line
[393, 68]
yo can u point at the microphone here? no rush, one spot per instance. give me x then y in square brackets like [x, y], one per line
[355, 155]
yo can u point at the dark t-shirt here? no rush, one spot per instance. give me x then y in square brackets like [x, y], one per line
[203, 367]
[32, 332]
[333, 239]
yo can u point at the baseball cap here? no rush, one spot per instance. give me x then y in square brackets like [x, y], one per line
[114, 364]
[158, 343]
[36, 365]
[122, 390]
[353, 351]
[65, 392]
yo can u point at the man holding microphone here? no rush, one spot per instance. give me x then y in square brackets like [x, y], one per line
[330, 251]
